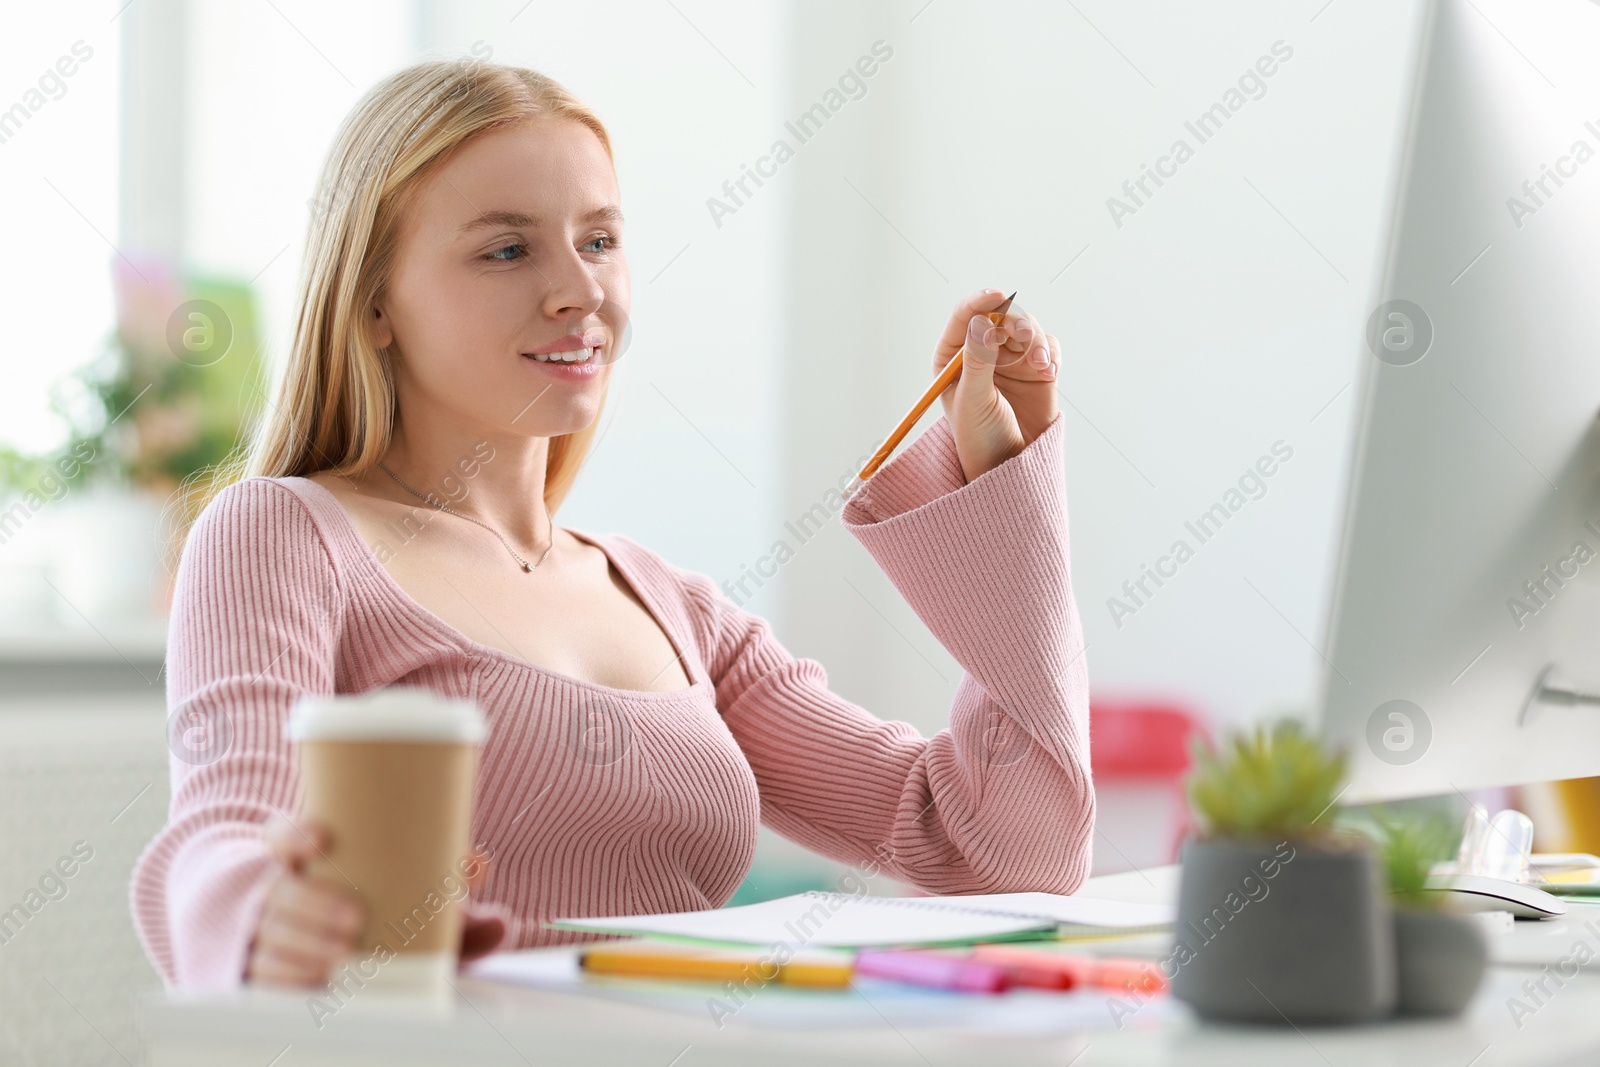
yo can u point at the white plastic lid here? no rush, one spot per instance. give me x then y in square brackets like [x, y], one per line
[397, 713]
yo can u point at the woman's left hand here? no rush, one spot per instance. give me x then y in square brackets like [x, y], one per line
[1005, 395]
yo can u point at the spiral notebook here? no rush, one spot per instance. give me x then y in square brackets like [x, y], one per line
[844, 920]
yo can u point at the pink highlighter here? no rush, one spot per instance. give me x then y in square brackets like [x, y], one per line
[935, 970]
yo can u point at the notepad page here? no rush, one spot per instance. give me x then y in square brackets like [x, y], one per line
[821, 920]
[839, 920]
[1076, 911]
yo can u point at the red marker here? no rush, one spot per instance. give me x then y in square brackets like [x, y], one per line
[1049, 970]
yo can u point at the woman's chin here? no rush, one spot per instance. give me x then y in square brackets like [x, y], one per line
[550, 408]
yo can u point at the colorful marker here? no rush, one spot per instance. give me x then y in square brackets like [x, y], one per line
[1050, 970]
[933, 969]
[656, 961]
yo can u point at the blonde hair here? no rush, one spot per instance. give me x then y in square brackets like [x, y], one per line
[336, 400]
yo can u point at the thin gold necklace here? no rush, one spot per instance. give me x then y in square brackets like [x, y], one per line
[429, 500]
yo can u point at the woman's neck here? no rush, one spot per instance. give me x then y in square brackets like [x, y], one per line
[496, 479]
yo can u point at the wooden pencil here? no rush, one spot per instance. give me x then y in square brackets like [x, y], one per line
[946, 378]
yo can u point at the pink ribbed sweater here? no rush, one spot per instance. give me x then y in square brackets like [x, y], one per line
[603, 801]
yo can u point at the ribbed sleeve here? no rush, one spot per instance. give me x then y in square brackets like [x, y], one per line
[253, 627]
[1002, 799]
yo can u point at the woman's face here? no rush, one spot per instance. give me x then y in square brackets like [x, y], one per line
[513, 248]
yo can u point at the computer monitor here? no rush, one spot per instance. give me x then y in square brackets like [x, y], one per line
[1466, 606]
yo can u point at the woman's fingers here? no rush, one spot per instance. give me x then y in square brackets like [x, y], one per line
[476, 869]
[293, 844]
[267, 968]
[1021, 330]
[1022, 349]
[307, 924]
[955, 330]
[1033, 360]
[314, 906]
[306, 927]
[300, 947]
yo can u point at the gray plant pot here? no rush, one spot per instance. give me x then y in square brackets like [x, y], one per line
[1279, 932]
[1442, 958]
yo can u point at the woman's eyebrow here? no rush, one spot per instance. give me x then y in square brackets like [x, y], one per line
[608, 213]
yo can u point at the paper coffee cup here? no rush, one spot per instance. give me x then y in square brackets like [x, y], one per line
[390, 774]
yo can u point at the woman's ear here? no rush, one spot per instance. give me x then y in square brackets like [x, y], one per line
[382, 336]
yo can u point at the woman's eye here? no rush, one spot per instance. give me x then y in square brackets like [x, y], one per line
[505, 259]
[610, 242]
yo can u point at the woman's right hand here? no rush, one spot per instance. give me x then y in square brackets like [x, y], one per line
[308, 924]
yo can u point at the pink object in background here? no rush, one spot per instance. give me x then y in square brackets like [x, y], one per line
[1139, 750]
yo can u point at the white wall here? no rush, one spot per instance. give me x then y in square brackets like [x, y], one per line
[1221, 318]
[1202, 330]
[270, 85]
[58, 180]
[772, 350]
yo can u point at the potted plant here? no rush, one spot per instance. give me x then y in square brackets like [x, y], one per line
[1440, 957]
[1281, 918]
[146, 422]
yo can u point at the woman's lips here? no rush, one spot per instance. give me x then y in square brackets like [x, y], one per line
[589, 367]
[572, 355]
[590, 338]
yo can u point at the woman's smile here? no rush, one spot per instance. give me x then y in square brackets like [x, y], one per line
[575, 357]
[576, 365]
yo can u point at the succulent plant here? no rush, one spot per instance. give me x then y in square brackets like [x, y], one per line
[1410, 848]
[1276, 780]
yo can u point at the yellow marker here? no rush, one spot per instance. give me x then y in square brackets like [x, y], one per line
[713, 965]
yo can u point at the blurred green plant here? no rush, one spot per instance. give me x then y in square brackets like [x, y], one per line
[1410, 848]
[166, 398]
[1275, 780]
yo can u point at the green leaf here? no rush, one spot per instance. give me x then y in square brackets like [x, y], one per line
[1273, 780]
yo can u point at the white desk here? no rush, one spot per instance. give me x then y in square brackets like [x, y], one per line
[492, 1025]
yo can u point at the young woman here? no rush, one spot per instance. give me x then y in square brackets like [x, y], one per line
[464, 300]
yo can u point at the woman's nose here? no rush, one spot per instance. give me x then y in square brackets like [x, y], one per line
[571, 286]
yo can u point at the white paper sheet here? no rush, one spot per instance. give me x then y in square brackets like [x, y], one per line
[842, 920]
